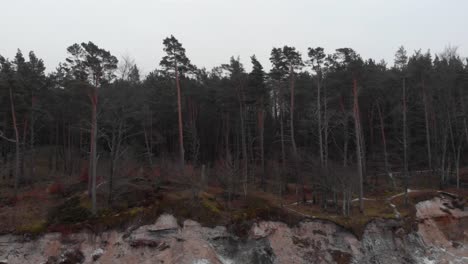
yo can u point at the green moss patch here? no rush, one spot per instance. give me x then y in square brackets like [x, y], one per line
[34, 228]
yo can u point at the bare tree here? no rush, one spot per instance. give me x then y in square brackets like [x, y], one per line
[358, 136]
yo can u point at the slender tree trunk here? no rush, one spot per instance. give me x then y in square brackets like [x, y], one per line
[457, 165]
[261, 133]
[50, 152]
[275, 105]
[283, 152]
[452, 139]
[293, 140]
[148, 146]
[426, 117]
[364, 154]
[31, 141]
[23, 154]
[291, 112]
[405, 143]
[179, 111]
[116, 142]
[325, 126]
[243, 142]
[444, 153]
[112, 164]
[70, 151]
[384, 143]
[226, 138]
[357, 128]
[111, 176]
[17, 141]
[319, 119]
[64, 147]
[56, 168]
[344, 202]
[345, 133]
[93, 154]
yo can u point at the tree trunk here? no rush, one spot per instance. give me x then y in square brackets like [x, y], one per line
[111, 176]
[93, 154]
[148, 146]
[115, 152]
[325, 126]
[345, 133]
[226, 138]
[70, 150]
[384, 143]
[31, 141]
[17, 142]
[23, 154]
[405, 143]
[426, 118]
[261, 138]
[357, 128]
[179, 111]
[291, 112]
[283, 152]
[319, 119]
[243, 142]
[56, 152]
[444, 153]
[293, 141]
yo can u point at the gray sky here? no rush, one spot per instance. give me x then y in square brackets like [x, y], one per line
[213, 30]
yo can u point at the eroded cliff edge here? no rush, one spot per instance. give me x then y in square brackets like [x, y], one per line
[439, 234]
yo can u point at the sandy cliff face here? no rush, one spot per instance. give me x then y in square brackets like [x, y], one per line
[441, 237]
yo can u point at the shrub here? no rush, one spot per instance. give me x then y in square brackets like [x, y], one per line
[56, 188]
[71, 211]
[84, 175]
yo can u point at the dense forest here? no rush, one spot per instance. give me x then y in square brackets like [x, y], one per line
[331, 124]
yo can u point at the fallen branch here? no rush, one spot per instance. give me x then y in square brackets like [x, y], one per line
[5, 138]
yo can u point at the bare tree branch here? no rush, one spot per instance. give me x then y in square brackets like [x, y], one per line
[2, 135]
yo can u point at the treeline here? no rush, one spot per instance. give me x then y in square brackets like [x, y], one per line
[328, 121]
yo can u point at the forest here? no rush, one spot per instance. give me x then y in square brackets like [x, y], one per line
[322, 127]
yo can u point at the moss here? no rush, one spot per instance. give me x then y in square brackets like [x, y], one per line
[73, 210]
[34, 228]
[135, 211]
[211, 204]
[85, 202]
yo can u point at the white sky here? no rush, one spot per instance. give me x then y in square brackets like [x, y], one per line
[213, 30]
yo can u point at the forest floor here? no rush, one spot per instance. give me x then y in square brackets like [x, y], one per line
[47, 207]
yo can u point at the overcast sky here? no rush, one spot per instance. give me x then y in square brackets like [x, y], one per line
[213, 30]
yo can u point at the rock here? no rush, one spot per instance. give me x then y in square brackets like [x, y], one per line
[456, 244]
[449, 205]
[165, 222]
[161, 245]
[460, 203]
[71, 256]
[97, 254]
[438, 238]
[52, 260]
[155, 235]
[215, 233]
[3, 261]
[191, 224]
[262, 229]
[430, 209]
